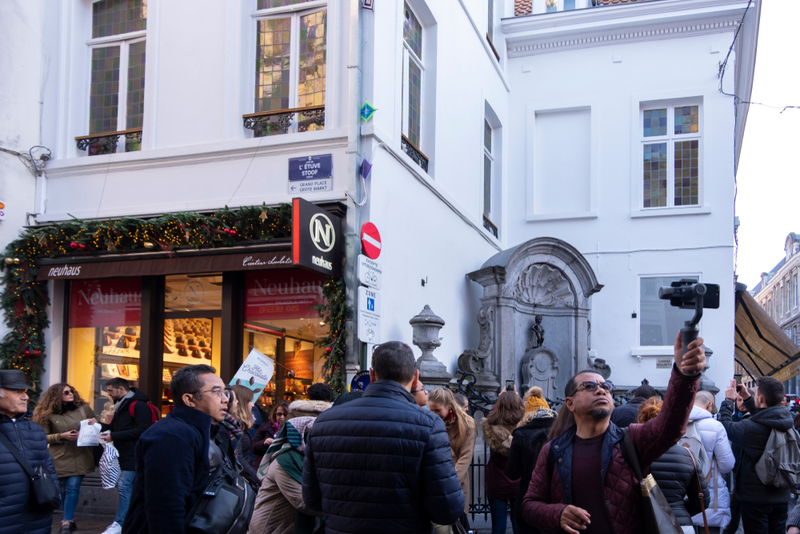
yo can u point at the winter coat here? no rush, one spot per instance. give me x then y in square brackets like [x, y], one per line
[627, 413]
[69, 459]
[498, 485]
[676, 476]
[549, 492]
[266, 430]
[751, 435]
[16, 516]
[462, 448]
[172, 469]
[126, 430]
[794, 517]
[718, 448]
[381, 464]
[527, 440]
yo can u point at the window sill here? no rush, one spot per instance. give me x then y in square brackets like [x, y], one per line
[669, 212]
[653, 351]
[560, 216]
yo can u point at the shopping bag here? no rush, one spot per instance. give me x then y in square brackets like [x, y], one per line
[109, 466]
[88, 435]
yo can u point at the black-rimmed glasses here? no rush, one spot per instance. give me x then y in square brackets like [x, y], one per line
[591, 387]
[221, 393]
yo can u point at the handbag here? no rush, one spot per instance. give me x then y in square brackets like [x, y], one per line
[657, 514]
[225, 506]
[699, 489]
[45, 496]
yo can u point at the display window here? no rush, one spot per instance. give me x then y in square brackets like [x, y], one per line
[104, 340]
[280, 321]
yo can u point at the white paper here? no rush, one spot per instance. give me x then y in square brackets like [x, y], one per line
[89, 434]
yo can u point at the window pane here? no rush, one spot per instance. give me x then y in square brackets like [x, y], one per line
[113, 17]
[655, 175]
[487, 186]
[104, 343]
[267, 4]
[193, 292]
[487, 136]
[686, 173]
[655, 122]
[490, 29]
[104, 90]
[660, 322]
[686, 120]
[312, 59]
[273, 43]
[569, 5]
[414, 95]
[135, 104]
[412, 32]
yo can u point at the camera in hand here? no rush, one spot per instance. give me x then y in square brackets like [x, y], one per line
[509, 385]
[689, 294]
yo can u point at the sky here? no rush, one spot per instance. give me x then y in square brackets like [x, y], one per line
[768, 200]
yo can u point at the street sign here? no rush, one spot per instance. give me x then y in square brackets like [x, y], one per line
[369, 315]
[310, 174]
[371, 240]
[369, 272]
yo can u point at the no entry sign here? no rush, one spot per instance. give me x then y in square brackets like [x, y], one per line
[371, 241]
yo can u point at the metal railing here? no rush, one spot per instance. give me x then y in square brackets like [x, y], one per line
[414, 152]
[107, 142]
[278, 122]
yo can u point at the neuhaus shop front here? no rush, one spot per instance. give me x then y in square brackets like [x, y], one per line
[143, 316]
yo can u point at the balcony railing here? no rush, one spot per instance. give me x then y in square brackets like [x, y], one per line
[489, 225]
[414, 152]
[106, 143]
[278, 122]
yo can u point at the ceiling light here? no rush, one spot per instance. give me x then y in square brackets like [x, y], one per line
[322, 323]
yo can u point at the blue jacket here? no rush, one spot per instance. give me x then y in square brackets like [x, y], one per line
[171, 472]
[627, 414]
[16, 517]
[381, 464]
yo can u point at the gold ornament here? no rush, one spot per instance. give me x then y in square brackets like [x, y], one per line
[111, 246]
[28, 310]
[9, 261]
[148, 245]
[16, 261]
[42, 241]
[263, 216]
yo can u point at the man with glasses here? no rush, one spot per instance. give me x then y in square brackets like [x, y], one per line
[564, 492]
[175, 456]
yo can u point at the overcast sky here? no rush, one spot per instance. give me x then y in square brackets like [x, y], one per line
[769, 189]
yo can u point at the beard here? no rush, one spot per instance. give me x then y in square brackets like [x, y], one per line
[599, 413]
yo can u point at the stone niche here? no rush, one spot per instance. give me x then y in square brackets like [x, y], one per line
[534, 326]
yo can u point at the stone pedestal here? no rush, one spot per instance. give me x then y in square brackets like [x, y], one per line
[426, 326]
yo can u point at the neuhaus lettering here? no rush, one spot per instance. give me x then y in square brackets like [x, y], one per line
[289, 288]
[322, 263]
[67, 270]
[112, 297]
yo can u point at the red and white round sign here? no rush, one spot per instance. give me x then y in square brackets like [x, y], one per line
[371, 240]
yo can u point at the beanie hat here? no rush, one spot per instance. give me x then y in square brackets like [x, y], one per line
[535, 401]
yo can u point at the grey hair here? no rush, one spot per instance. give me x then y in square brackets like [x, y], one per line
[702, 398]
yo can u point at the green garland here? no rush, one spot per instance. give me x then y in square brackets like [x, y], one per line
[24, 301]
[334, 313]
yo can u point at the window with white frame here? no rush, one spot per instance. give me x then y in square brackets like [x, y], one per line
[659, 321]
[488, 179]
[795, 290]
[490, 28]
[671, 157]
[413, 74]
[116, 86]
[291, 59]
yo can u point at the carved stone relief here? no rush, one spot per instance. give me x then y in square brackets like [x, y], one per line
[540, 368]
[543, 285]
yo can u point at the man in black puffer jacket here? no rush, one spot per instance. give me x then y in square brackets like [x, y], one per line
[764, 508]
[381, 463]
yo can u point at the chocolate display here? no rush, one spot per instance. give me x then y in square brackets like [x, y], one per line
[123, 343]
[131, 331]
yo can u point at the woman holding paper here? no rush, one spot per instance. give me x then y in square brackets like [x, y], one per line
[60, 412]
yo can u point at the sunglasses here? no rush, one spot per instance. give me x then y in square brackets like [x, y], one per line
[591, 387]
[67, 392]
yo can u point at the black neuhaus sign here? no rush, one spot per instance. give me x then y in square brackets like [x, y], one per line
[316, 238]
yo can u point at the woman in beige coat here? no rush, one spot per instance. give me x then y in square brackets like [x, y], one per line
[462, 431]
[60, 412]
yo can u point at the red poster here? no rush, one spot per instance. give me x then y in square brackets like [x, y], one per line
[282, 294]
[105, 302]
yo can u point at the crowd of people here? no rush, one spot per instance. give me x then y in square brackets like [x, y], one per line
[396, 457]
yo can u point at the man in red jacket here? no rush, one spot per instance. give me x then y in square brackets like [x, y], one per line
[563, 493]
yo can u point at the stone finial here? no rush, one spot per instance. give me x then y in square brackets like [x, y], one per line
[426, 326]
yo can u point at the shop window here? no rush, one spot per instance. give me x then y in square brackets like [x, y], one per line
[104, 337]
[279, 322]
[291, 62]
[660, 321]
[116, 88]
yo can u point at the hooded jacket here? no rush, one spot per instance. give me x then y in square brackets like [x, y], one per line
[381, 464]
[527, 440]
[751, 435]
[16, 516]
[126, 430]
[498, 485]
[718, 448]
[550, 492]
[627, 413]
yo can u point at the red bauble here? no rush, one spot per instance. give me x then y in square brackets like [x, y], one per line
[73, 245]
[27, 353]
[82, 247]
[233, 232]
[36, 352]
[328, 350]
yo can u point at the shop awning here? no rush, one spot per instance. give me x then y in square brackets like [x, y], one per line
[762, 348]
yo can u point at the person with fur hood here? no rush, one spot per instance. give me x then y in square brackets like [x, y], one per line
[279, 503]
[497, 428]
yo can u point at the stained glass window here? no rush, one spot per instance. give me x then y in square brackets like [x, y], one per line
[268, 4]
[104, 90]
[686, 120]
[135, 85]
[114, 17]
[490, 30]
[686, 172]
[312, 59]
[655, 122]
[487, 136]
[655, 175]
[487, 185]
[273, 57]
[412, 32]
[414, 99]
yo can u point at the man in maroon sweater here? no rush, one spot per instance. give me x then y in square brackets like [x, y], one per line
[565, 492]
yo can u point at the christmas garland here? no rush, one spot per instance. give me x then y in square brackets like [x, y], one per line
[24, 301]
[334, 313]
